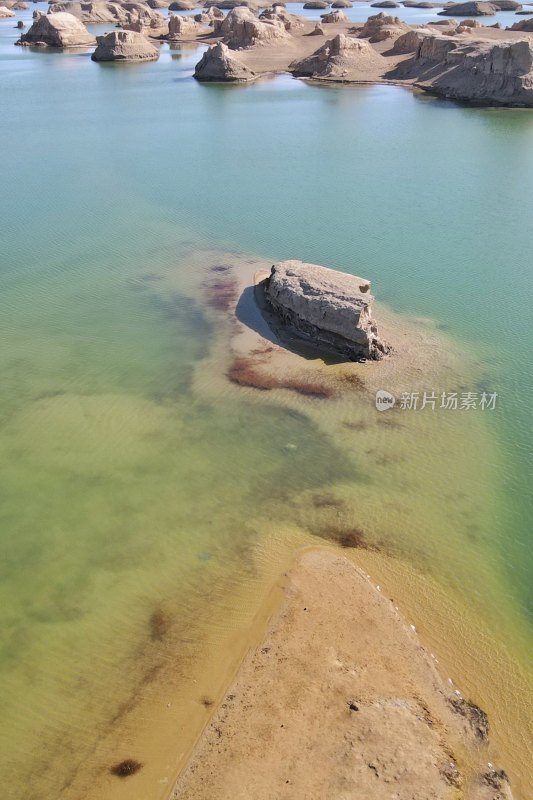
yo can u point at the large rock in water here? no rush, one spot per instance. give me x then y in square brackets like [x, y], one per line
[525, 25]
[506, 5]
[58, 30]
[229, 4]
[334, 17]
[220, 64]
[97, 12]
[242, 29]
[469, 9]
[341, 59]
[180, 26]
[125, 46]
[329, 308]
[483, 72]
[6, 12]
[87, 12]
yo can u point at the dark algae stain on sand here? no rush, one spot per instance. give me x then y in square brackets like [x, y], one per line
[126, 768]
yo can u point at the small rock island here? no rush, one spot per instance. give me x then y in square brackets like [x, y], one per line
[328, 308]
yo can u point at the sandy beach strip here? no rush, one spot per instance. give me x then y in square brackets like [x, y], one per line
[340, 700]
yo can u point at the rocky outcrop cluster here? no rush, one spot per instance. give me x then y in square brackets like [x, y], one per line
[334, 17]
[182, 5]
[280, 14]
[525, 25]
[124, 46]
[254, 5]
[101, 12]
[507, 5]
[380, 27]
[220, 64]
[87, 12]
[57, 30]
[330, 309]
[155, 28]
[241, 29]
[180, 26]
[483, 71]
[409, 42]
[473, 8]
[207, 17]
[340, 59]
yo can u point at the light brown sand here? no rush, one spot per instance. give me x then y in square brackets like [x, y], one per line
[275, 56]
[340, 701]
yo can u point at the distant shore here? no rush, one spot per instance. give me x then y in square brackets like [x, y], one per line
[341, 700]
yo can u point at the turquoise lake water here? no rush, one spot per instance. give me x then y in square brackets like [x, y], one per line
[113, 175]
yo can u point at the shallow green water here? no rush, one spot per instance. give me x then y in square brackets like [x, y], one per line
[117, 482]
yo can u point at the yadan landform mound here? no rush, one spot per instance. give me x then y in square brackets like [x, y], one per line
[498, 72]
[220, 64]
[329, 308]
[57, 30]
[125, 46]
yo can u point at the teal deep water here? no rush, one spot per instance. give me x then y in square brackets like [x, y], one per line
[113, 173]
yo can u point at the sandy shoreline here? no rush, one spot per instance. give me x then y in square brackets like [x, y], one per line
[384, 51]
[341, 700]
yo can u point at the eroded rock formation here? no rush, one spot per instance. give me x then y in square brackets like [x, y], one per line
[87, 12]
[334, 17]
[208, 17]
[474, 8]
[330, 309]
[486, 72]
[156, 28]
[180, 26]
[382, 26]
[57, 30]
[241, 29]
[280, 14]
[101, 12]
[506, 5]
[219, 63]
[125, 46]
[229, 4]
[525, 25]
[409, 42]
[339, 59]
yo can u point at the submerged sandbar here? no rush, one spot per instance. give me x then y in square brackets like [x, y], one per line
[341, 700]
